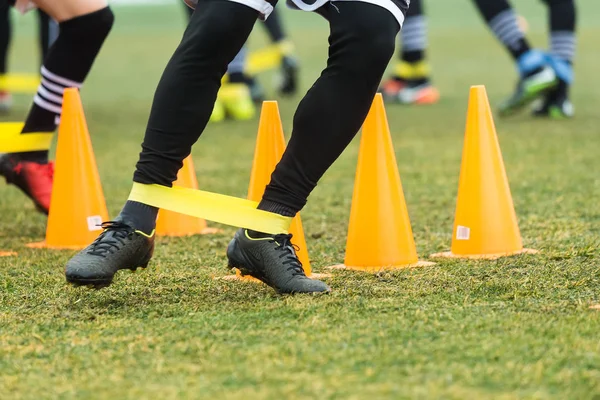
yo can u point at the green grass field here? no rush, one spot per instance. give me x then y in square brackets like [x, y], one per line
[517, 327]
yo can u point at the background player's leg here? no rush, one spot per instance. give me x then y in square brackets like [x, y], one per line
[5, 34]
[67, 64]
[411, 82]
[536, 77]
[502, 20]
[562, 21]
[235, 95]
[48, 33]
[289, 63]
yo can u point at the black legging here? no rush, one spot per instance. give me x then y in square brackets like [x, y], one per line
[361, 42]
[46, 33]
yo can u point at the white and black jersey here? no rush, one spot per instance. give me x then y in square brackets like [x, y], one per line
[398, 8]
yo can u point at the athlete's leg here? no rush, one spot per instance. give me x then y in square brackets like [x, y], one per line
[289, 62]
[411, 83]
[215, 34]
[536, 77]
[562, 21]
[84, 24]
[5, 34]
[361, 45]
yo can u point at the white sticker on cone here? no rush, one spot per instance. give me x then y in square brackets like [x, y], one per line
[94, 223]
[463, 233]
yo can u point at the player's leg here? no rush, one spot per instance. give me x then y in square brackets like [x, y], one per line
[289, 62]
[48, 33]
[411, 82]
[362, 42]
[536, 77]
[5, 34]
[84, 24]
[562, 16]
[235, 95]
[215, 34]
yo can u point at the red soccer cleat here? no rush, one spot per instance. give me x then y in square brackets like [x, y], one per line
[5, 101]
[34, 179]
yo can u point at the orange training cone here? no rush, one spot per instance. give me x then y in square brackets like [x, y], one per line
[270, 145]
[170, 223]
[7, 253]
[379, 233]
[485, 224]
[77, 206]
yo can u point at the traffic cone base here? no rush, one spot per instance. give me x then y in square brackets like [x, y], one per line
[7, 253]
[382, 269]
[449, 254]
[44, 245]
[239, 277]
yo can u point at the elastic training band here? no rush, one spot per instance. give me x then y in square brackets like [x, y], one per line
[215, 207]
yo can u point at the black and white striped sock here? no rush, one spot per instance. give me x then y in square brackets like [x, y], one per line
[67, 64]
[562, 45]
[506, 29]
[502, 20]
[49, 98]
[414, 38]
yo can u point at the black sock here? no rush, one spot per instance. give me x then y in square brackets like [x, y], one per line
[141, 216]
[188, 87]
[362, 42]
[68, 63]
[501, 19]
[274, 27]
[5, 34]
[276, 208]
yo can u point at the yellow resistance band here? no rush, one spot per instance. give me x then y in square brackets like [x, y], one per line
[19, 83]
[11, 140]
[264, 60]
[416, 70]
[211, 206]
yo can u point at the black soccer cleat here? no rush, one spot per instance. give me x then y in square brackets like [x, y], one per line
[272, 260]
[529, 88]
[555, 104]
[120, 246]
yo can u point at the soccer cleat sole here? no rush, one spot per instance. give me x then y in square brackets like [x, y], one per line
[100, 283]
[528, 98]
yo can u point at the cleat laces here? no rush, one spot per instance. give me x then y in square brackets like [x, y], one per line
[288, 250]
[113, 237]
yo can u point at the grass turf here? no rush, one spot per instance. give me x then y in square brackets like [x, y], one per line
[517, 327]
